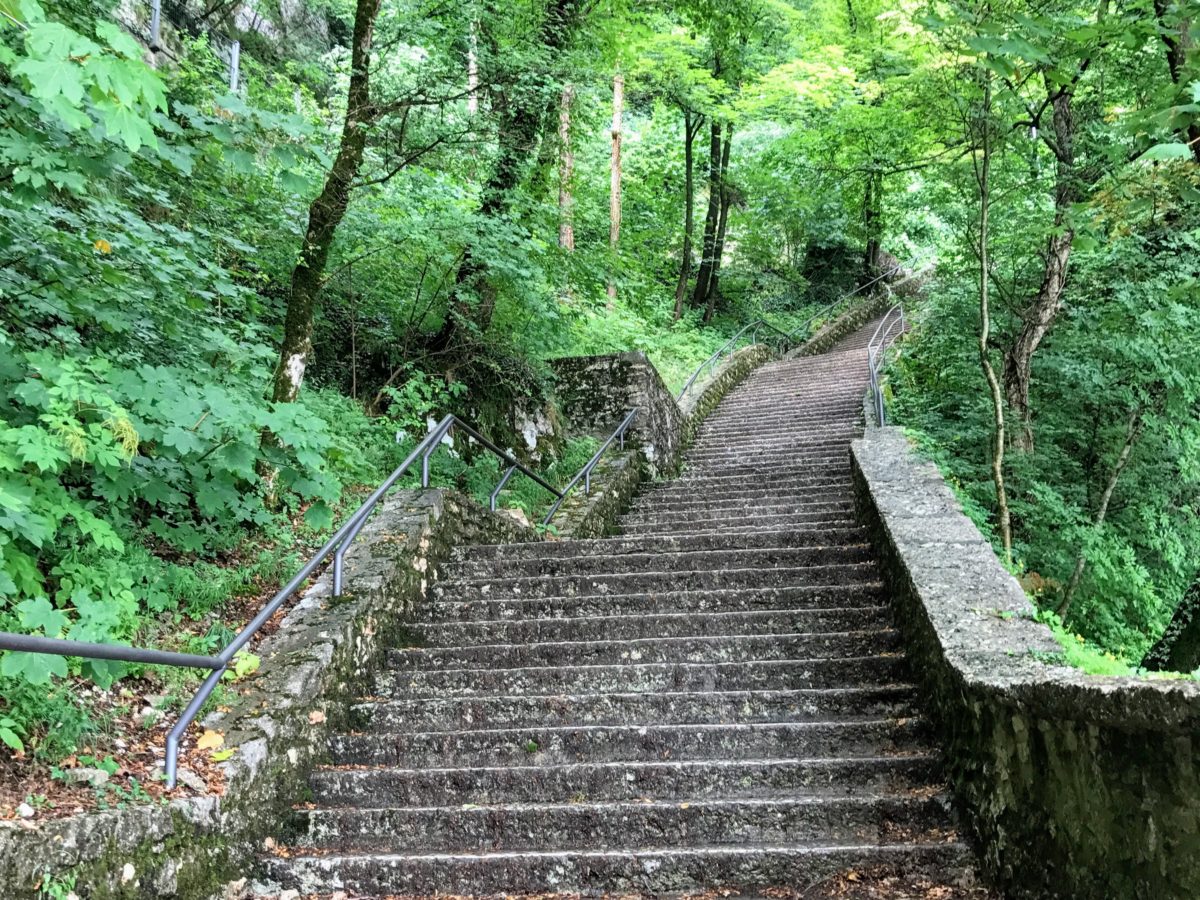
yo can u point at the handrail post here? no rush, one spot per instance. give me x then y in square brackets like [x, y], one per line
[499, 487]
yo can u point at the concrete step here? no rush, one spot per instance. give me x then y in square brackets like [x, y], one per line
[890, 701]
[583, 825]
[648, 649]
[656, 582]
[484, 556]
[609, 743]
[767, 472]
[839, 502]
[615, 781]
[652, 871]
[636, 625]
[647, 677]
[469, 572]
[666, 600]
[763, 489]
[669, 526]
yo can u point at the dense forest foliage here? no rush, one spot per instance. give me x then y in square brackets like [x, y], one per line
[219, 306]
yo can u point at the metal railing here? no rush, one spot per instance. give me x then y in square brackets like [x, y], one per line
[728, 349]
[786, 338]
[336, 545]
[890, 327]
[586, 472]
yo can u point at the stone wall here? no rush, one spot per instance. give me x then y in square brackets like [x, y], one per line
[858, 315]
[595, 393]
[319, 656]
[703, 398]
[1073, 786]
[614, 482]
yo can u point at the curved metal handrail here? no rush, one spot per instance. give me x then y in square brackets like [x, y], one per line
[730, 346]
[586, 472]
[337, 545]
[890, 327]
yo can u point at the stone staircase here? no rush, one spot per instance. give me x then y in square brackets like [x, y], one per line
[714, 698]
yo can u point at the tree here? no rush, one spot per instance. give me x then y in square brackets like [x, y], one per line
[326, 212]
[614, 189]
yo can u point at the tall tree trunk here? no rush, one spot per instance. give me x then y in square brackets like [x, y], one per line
[983, 172]
[873, 223]
[1133, 427]
[1176, 36]
[614, 188]
[714, 279]
[473, 69]
[691, 125]
[566, 172]
[473, 300]
[712, 216]
[326, 213]
[1039, 316]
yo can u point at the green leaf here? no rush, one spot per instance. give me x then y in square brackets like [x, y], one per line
[35, 668]
[1168, 151]
[38, 613]
[319, 516]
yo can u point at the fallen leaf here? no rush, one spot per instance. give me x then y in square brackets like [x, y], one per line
[222, 755]
[210, 740]
[316, 717]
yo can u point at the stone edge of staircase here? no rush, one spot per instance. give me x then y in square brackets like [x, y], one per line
[1073, 785]
[620, 474]
[195, 845]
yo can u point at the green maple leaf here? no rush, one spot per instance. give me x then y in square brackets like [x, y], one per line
[35, 668]
[38, 613]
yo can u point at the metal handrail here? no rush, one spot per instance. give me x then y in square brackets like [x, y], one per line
[890, 327]
[337, 545]
[586, 472]
[730, 346]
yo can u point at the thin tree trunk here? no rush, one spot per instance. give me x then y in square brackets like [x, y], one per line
[1178, 43]
[326, 213]
[473, 69]
[983, 170]
[711, 218]
[1039, 316]
[353, 334]
[566, 172]
[691, 125]
[474, 297]
[873, 223]
[714, 278]
[614, 189]
[1133, 428]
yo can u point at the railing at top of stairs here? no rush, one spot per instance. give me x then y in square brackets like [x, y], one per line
[890, 327]
[337, 545]
[783, 339]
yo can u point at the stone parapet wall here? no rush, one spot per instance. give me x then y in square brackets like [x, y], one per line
[848, 322]
[1074, 786]
[277, 722]
[595, 393]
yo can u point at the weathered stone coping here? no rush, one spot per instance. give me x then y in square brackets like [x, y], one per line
[704, 397]
[1072, 785]
[278, 726]
[850, 320]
